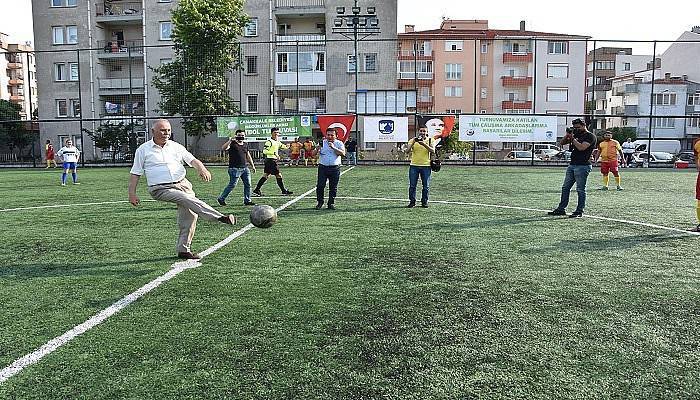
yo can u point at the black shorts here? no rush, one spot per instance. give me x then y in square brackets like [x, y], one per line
[271, 166]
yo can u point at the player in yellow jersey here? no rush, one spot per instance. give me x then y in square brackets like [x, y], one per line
[271, 152]
[608, 152]
[696, 149]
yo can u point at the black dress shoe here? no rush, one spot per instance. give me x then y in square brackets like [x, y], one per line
[188, 256]
[331, 207]
[557, 212]
[424, 205]
[411, 205]
[221, 201]
[318, 206]
[249, 203]
[576, 214]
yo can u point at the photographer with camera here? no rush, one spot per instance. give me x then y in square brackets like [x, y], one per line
[581, 144]
[238, 160]
[421, 148]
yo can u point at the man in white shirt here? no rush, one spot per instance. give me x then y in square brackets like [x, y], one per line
[70, 155]
[627, 151]
[161, 161]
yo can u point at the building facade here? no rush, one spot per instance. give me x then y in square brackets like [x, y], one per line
[18, 75]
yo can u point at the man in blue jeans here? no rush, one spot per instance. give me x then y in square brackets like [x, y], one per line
[421, 148]
[581, 144]
[329, 162]
[238, 158]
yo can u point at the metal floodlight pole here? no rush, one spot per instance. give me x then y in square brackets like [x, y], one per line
[652, 105]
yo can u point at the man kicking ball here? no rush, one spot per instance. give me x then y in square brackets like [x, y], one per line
[608, 151]
[161, 160]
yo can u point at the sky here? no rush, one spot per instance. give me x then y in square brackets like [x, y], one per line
[601, 19]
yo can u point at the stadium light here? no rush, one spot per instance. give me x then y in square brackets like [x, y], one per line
[338, 22]
[356, 10]
[372, 10]
[340, 10]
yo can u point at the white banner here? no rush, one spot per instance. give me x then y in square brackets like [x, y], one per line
[386, 129]
[507, 128]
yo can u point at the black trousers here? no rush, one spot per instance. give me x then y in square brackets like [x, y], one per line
[332, 175]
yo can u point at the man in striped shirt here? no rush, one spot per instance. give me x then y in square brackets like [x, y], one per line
[70, 155]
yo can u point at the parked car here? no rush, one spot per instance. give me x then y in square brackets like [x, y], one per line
[540, 146]
[564, 155]
[547, 154]
[687, 156]
[521, 156]
[655, 158]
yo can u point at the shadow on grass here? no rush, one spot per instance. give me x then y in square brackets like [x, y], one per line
[113, 268]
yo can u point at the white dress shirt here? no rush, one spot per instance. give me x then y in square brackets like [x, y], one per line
[161, 164]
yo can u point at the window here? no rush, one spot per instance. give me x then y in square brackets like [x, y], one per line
[252, 103]
[512, 96]
[664, 99]
[455, 111]
[251, 65]
[484, 48]
[370, 64]
[166, 30]
[627, 66]
[58, 35]
[484, 70]
[608, 65]
[60, 72]
[694, 122]
[370, 146]
[251, 29]
[454, 45]
[73, 71]
[307, 62]
[453, 91]
[694, 99]
[664, 122]
[75, 107]
[64, 3]
[61, 108]
[453, 72]
[484, 93]
[558, 71]
[517, 111]
[352, 63]
[558, 94]
[71, 34]
[165, 61]
[351, 102]
[558, 48]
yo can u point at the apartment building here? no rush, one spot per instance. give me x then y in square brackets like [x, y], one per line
[631, 102]
[92, 63]
[18, 75]
[293, 63]
[681, 58]
[466, 66]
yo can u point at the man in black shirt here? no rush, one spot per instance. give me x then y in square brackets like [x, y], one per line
[351, 149]
[582, 143]
[238, 158]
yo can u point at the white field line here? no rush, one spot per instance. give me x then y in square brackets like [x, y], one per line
[32, 358]
[622, 221]
[66, 205]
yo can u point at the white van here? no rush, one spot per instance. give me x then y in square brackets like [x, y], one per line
[666, 146]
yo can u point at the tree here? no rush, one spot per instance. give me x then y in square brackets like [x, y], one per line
[116, 137]
[452, 145]
[621, 134]
[196, 83]
[13, 132]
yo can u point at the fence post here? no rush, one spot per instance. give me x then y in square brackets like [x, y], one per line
[80, 100]
[651, 105]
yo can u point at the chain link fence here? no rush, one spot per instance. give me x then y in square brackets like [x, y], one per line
[105, 98]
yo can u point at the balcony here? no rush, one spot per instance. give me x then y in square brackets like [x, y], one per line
[120, 49]
[517, 57]
[14, 65]
[300, 4]
[516, 105]
[410, 55]
[302, 39]
[617, 111]
[516, 81]
[618, 91]
[122, 112]
[120, 86]
[632, 111]
[16, 81]
[632, 88]
[16, 97]
[409, 76]
[119, 12]
[603, 112]
[425, 101]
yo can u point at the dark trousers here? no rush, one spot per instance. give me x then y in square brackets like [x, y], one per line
[332, 175]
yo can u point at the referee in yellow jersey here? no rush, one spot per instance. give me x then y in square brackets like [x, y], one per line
[271, 152]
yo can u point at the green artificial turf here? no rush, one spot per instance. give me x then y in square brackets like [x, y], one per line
[370, 301]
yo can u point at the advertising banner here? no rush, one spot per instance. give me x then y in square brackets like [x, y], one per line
[439, 126]
[258, 127]
[507, 128]
[386, 129]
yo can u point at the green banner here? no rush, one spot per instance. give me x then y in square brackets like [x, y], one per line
[258, 127]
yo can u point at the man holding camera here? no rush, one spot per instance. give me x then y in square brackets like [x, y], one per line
[238, 160]
[329, 163]
[581, 144]
[421, 148]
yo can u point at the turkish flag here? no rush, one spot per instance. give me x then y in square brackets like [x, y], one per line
[341, 123]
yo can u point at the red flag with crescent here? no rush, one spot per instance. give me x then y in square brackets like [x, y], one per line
[341, 123]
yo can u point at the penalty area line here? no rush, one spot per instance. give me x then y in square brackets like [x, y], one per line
[54, 344]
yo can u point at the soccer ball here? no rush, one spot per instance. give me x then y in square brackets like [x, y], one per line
[263, 216]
